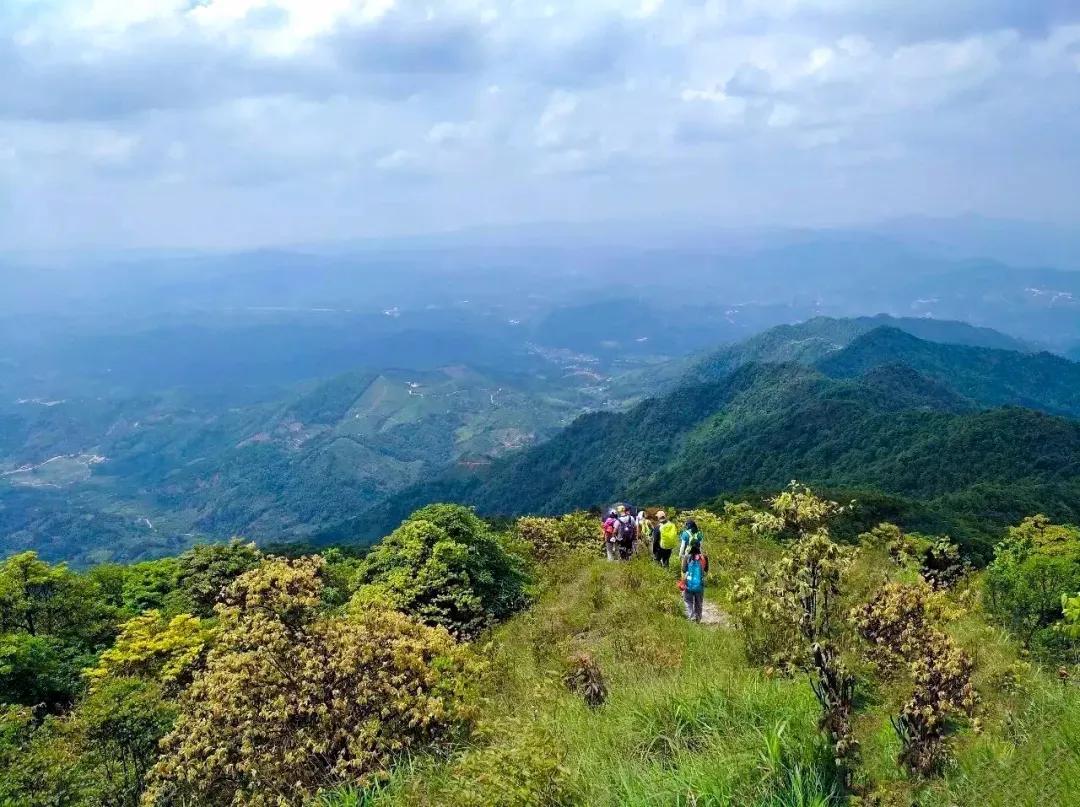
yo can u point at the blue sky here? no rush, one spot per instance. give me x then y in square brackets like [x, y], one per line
[244, 122]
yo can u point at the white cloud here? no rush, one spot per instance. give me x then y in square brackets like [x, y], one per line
[670, 104]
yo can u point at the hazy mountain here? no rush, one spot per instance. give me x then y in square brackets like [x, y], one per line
[808, 342]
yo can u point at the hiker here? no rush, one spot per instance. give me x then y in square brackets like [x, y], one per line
[625, 532]
[610, 540]
[689, 534]
[644, 527]
[665, 537]
[695, 565]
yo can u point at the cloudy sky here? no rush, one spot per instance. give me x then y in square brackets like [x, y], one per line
[242, 122]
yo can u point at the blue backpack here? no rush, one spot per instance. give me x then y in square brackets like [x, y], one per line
[695, 575]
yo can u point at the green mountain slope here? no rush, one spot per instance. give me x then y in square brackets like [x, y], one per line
[892, 430]
[987, 375]
[810, 341]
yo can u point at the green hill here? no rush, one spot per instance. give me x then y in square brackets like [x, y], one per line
[811, 341]
[987, 375]
[96, 479]
[892, 430]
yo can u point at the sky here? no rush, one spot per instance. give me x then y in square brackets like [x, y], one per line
[225, 123]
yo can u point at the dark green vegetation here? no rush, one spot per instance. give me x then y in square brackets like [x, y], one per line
[460, 665]
[991, 377]
[122, 474]
[889, 413]
[815, 339]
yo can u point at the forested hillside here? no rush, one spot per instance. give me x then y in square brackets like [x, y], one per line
[889, 413]
[990, 376]
[810, 341]
[91, 479]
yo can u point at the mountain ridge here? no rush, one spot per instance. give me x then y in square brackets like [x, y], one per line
[863, 417]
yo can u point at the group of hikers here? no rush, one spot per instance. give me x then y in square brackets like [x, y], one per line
[625, 530]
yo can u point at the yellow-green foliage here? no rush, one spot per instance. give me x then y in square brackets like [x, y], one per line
[152, 646]
[514, 763]
[796, 511]
[308, 697]
[293, 700]
[550, 538]
[787, 607]
[1070, 624]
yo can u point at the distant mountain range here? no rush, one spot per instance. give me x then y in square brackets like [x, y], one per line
[966, 436]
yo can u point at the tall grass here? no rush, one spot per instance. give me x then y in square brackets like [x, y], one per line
[689, 722]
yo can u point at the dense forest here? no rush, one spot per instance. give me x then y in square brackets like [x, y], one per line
[461, 662]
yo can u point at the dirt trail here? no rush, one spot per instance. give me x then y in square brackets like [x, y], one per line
[712, 615]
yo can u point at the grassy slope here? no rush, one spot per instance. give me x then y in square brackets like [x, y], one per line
[690, 722]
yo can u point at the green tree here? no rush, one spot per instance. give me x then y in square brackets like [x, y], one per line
[39, 598]
[206, 570]
[293, 700]
[152, 584]
[1033, 567]
[39, 670]
[41, 762]
[121, 723]
[154, 647]
[445, 567]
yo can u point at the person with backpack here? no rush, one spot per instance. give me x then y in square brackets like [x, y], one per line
[695, 566]
[625, 533]
[689, 534]
[665, 538]
[610, 541]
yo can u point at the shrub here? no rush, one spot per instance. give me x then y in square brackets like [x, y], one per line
[446, 568]
[937, 558]
[519, 766]
[797, 603]
[796, 512]
[899, 624]
[583, 677]
[293, 701]
[551, 538]
[1033, 567]
[1070, 623]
